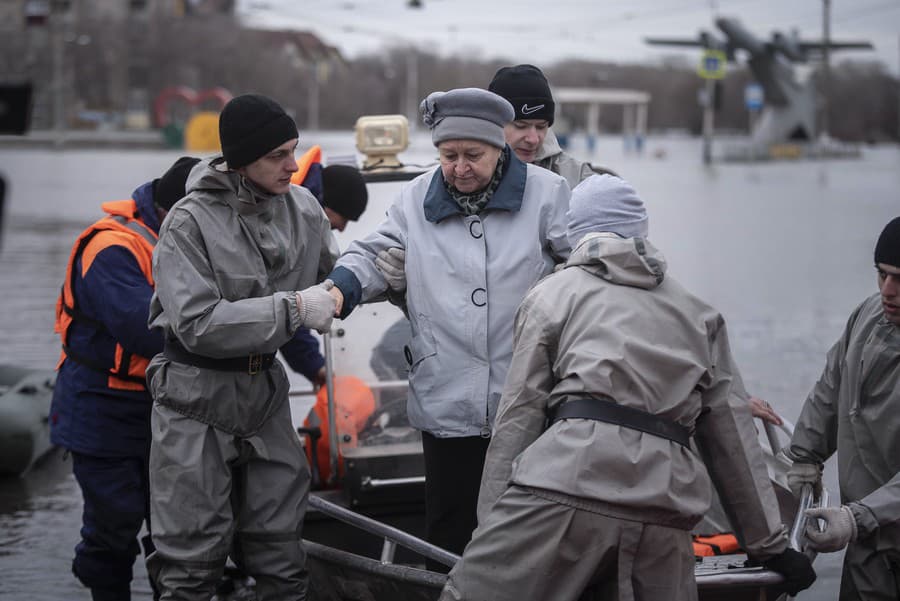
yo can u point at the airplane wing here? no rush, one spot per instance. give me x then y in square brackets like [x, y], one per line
[819, 46]
[695, 43]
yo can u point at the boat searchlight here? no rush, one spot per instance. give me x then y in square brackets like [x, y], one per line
[380, 138]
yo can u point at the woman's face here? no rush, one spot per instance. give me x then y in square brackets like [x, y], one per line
[468, 165]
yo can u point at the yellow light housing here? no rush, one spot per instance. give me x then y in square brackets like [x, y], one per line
[381, 138]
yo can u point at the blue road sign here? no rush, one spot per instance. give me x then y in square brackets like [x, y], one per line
[712, 64]
[753, 96]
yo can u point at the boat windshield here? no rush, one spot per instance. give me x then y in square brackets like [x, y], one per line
[368, 355]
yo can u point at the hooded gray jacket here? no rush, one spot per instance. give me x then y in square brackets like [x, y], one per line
[854, 409]
[611, 324]
[551, 156]
[228, 261]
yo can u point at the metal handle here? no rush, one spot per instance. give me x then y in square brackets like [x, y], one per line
[808, 500]
[369, 483]
[800, 520]
[332, 418]
[772, 436]
[390, 533]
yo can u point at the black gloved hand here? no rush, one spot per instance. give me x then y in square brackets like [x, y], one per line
[795, 567]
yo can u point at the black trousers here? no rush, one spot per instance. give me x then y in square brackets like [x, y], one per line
[453, 469]
[116, 493]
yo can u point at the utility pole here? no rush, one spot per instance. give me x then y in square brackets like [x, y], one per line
[826, 67]
[711, 68]
[312, 111]
[412, 87]
[708, 120]
[57, 25]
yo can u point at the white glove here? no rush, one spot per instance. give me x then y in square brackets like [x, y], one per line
[840, 528]
[392, 265]
[804, 473]
[317, 306]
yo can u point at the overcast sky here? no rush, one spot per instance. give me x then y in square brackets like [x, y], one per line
[546, 31]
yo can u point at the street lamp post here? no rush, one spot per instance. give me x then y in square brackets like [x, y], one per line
[312, 110]
[412, 87]
[58, 23]
[826, 67]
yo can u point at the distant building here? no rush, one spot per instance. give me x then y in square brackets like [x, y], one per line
[92, 63]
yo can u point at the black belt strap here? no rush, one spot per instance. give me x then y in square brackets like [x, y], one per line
[611, 412]
[251, 364]
[90, 363]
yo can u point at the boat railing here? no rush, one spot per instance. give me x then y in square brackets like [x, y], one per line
[758, 576]
[392, 536]
[718, 579]
[808, 498]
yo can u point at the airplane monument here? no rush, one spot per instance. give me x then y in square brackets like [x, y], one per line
[789, 111]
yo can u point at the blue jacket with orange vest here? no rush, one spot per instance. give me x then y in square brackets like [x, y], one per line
[302, 353]
[100, 404]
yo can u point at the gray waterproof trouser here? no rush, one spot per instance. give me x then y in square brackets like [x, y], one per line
[869, 575]
[534, 548]
[213, 494]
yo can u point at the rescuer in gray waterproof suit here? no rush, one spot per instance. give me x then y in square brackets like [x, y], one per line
[623, 363]
[854, 410]
[227, 471]
[529, 134]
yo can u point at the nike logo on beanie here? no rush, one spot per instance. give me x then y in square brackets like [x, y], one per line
[527, 110]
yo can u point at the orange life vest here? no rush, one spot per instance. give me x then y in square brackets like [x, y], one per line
[120, 228]
[717, 544]
[313, 155]
[354, 403]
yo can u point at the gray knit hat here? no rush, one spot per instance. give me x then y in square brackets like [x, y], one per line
[606, 203]
[467, 114]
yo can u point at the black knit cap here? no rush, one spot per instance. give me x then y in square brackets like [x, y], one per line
[527, 90]
[344, 191]
[170, 188]
[251, 125]
[887, 249]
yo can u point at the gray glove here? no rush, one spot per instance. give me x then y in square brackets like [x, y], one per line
[840, 528]
[392, 265]
[804, 473]
[317, 306]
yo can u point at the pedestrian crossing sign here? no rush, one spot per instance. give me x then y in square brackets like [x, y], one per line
[712, 64]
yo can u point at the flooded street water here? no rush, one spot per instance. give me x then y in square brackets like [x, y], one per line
[784, 250]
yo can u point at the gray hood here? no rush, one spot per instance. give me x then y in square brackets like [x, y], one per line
[625, 261]
[549, 148]
[213, 177]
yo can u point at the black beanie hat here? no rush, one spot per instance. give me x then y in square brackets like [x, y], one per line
[887, 249]
[527, 90]
[344, 191]
[252, 125]
[170, 188]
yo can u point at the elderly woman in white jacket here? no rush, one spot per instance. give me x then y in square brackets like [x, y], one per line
[464, 242]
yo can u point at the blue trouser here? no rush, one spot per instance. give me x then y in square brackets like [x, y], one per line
[116, 502]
